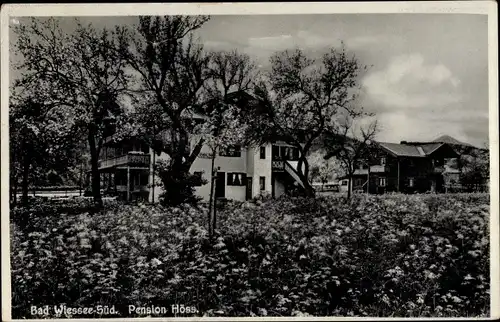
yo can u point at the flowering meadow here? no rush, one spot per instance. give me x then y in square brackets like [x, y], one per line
[390, 255]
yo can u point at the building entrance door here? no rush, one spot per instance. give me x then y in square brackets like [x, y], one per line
[249, 188]
[220, 185]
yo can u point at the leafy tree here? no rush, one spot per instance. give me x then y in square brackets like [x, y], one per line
[323, 170]
[301, 99]
[350, 145]
[475, 168]
[42, 143]
[172, 70]
[85, 73]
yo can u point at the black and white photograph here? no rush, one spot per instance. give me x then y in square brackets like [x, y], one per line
[250, 160]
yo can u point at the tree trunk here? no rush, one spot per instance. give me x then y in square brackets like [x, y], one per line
[80, 180]
[211, 206]
[349, 187]
[25, 178]
[96, 179]
[309, 190]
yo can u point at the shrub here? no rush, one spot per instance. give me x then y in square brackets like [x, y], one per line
[178, 186]
[392, 255]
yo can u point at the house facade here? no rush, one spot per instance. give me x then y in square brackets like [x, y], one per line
[242, 173]
[407, 167]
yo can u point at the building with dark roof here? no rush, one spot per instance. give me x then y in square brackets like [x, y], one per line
[407, 167]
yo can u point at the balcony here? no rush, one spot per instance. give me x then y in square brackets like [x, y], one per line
[131, 159]
[378, 168]
[278, 166]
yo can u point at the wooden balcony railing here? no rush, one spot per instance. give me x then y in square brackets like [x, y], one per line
[139, 160]
[278, 166]
[378, 168]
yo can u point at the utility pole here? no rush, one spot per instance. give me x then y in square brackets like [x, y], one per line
[153, 177]
[368, 180]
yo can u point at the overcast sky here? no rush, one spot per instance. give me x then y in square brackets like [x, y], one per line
[428, 73]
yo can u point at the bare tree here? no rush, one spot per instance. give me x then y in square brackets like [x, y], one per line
[231, 73]
[350, 145]
[301, 98]
[172, 70]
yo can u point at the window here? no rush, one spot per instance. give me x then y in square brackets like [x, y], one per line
[282, 152]
[296, 154]
[410, 182]
[262, 183]
[232, 151]
[199, 177]
[276, 152]
[262, 152]
[236, 179]
[285, 153]
[289, 153]
[382, 182]
[382, 161]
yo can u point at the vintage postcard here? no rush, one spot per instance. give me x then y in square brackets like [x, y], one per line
[285, 161]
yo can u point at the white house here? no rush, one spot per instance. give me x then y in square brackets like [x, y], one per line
[242, 172]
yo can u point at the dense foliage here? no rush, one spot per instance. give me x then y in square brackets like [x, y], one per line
[392, 255]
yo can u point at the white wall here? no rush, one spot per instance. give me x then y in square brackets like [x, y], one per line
[203, 163]
[249, 163]
[262, 168]
[236, 192]
[250, 160]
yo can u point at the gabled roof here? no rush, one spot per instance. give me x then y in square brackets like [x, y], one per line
[417, 150]
[430, 147]
[401, 149]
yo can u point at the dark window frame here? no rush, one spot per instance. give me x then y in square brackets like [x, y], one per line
[262, 183]
[262, 152]
[233, 179]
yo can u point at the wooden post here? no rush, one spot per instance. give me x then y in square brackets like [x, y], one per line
[368, 181]
[128, 184]
[80, 180]
[398, 175]
[153, 178]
